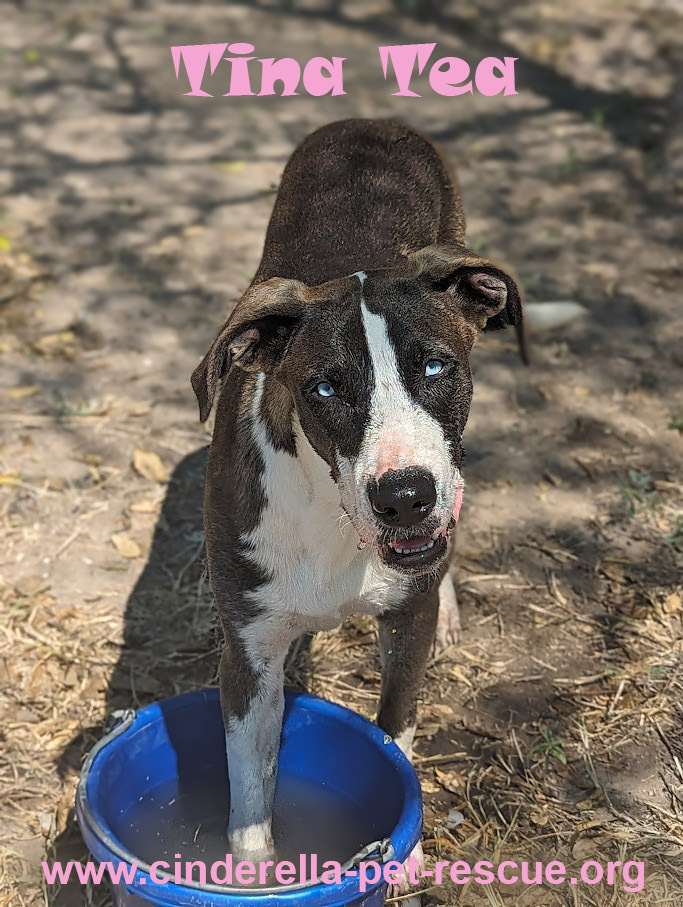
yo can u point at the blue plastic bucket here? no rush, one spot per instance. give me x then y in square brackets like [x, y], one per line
[181, 738]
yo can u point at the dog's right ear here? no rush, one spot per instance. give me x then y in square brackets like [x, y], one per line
[255, 336]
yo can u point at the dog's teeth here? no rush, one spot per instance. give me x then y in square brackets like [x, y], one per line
[404, 552]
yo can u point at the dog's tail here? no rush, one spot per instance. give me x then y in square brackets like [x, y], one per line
[544, 316]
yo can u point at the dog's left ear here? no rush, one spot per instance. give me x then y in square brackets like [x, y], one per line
[254, 337]
[487, 295]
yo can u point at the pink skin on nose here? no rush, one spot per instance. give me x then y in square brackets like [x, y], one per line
[396, 449]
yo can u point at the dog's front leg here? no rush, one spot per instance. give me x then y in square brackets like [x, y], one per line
[406, 636]
[252, 700]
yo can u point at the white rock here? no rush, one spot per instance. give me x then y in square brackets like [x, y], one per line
[546, 316]
[454, 818]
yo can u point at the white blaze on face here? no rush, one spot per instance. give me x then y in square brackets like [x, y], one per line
[401, 433]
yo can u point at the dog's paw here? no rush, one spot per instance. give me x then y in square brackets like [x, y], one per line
[405, 886]
[448, 625]
[253, 843]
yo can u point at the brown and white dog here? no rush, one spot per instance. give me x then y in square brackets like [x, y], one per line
[334, 479]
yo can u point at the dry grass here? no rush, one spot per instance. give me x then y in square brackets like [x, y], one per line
[518, 791]
[529, 786]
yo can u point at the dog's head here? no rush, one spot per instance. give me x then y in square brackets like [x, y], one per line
[377, 365]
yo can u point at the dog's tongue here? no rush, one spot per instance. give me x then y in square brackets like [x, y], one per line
[458, 502]
[417, 541]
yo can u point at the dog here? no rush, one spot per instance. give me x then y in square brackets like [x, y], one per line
[333, 481]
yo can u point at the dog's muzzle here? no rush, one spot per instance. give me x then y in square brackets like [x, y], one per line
[412, 538]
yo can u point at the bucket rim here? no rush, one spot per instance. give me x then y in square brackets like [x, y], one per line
[103, 843]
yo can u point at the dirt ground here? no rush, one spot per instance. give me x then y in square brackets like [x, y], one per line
[131, 219]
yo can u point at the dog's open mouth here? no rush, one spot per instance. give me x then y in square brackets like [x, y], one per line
[416, 554]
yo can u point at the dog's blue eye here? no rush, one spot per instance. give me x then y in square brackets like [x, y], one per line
[324, 389]
[433, 367]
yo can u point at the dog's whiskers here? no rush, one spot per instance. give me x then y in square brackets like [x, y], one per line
[343, 521]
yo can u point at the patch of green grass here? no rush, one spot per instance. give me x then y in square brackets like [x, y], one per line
[63, 409]
[549, 747]
[676, 425]
[598, 116]
[571, 166]
[675, 537]
[637, 492]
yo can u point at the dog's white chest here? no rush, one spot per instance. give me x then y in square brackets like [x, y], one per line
[307, 546]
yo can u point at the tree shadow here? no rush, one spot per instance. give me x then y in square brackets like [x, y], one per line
[171, 639]
[170, 636]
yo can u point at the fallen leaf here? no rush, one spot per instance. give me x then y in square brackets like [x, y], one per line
[541, 491]
[545, 51]
[604, 271]
[95, 474]
[614, 572]
[59, 344]
[451, 781]
[539, 816]
[148, 464]
[23, 390]
[30, 586]
[441, 708]
[672, 604]
[139, 409]
[9, 478]
[45, 820]
[54, 484]
[125, 545]
[429, 786]
[10, 343]
[636, 609]
[166, 245]
[428, 730]
[229, 166]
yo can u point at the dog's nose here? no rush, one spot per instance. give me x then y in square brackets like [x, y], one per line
[403, 497]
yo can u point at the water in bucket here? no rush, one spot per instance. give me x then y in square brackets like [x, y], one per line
[192, 822]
